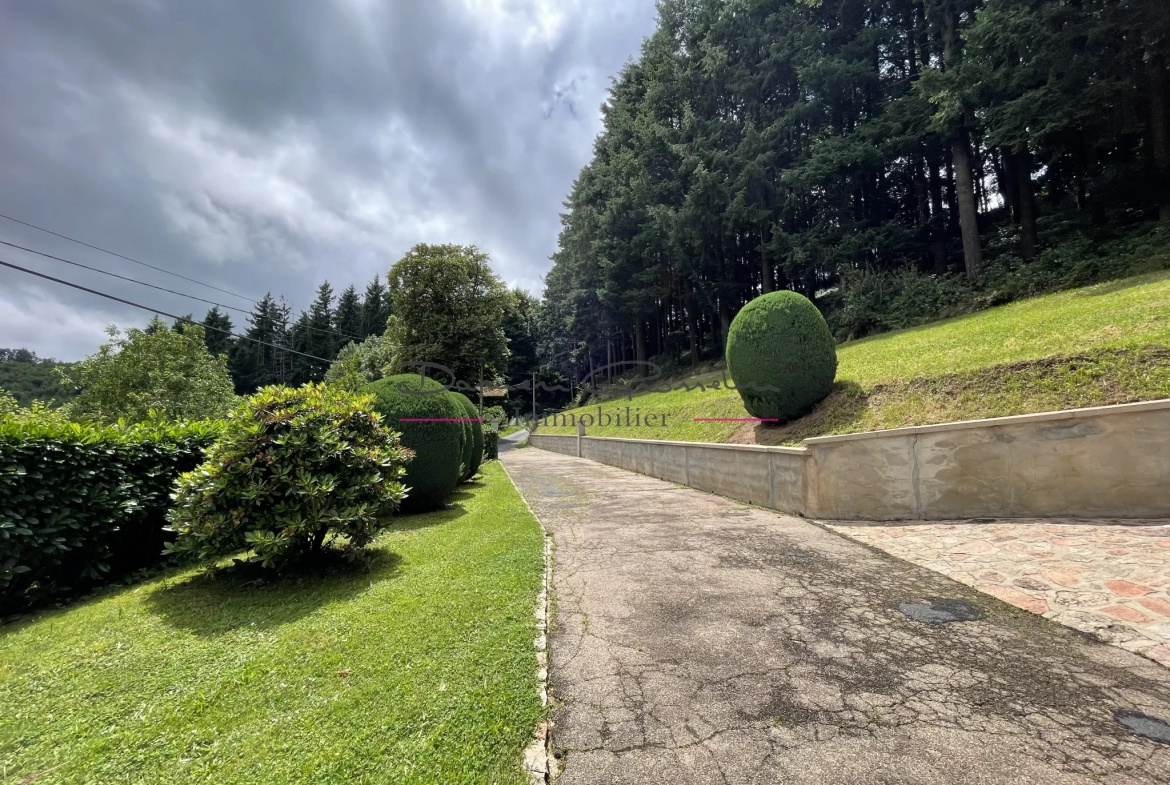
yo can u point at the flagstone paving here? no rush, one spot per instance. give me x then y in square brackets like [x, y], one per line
[699, 640]
[1106, 578]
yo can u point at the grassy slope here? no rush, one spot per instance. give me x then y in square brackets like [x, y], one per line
[186, 679]
[992, 363]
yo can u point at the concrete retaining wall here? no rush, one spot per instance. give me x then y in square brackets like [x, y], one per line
[1104, 462]
[768, 476]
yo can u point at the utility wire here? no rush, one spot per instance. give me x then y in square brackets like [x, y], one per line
[162, 313]
[122, 277]
[120, 256]
[161, 288]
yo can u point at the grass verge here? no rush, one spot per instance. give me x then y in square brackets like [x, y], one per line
[1093, 346]
[417, 667]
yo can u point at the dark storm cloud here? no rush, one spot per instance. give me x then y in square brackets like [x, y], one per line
[271, 144]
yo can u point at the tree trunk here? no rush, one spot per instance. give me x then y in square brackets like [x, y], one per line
[318, 540]
[968, 212]
[693, 337]
[921, 205]
[937, 227]
[952, 194]
[724, 324]
[921, 199]
[1159, 121]
[640, 344]
[810, 276]
[961, 156]
[765, 263]
[1009, 183]
[1026, 202]
[978, 177]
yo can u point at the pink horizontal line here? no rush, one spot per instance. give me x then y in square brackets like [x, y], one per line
[736, 419]
[440, 419]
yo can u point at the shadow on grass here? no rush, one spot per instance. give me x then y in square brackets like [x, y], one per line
[845, 407]
[412, 521]
[245, 595]
[1123, 283]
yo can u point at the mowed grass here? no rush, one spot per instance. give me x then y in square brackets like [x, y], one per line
[1085, 347]
[418, 668]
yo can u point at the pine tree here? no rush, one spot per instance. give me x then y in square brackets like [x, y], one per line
[949, 16]
[375, 309]
[321, 319]
[218, 326]
[348, 318]
[301, 341]
[258, 362]
[314, 336]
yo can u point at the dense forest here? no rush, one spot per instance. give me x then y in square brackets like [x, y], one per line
[874, 155]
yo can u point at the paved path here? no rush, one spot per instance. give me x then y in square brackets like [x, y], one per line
[511, 441]
[698, 640]
[1106, 578]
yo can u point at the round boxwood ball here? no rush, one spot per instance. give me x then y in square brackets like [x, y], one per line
[438, 446]
[781, 355]
[473, 434]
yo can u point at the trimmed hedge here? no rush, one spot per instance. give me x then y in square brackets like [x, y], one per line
[473, 449]
[438, 446]
[83, 505]
[491, 445]
[781, 355]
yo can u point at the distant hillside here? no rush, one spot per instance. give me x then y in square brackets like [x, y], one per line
[30, 378]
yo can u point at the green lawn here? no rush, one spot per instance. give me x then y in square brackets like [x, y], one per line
[1092, 346]
[417, 669]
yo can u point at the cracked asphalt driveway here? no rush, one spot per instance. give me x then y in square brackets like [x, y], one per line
[699, 640]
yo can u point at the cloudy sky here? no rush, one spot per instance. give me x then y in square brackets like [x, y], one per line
[270, 144]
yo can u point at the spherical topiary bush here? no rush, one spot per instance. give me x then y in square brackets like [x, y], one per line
[781, 355]
[473, 450]
[292, 468]
[466, 438]
[438, 446]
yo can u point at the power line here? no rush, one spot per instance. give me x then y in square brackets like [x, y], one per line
[161, 288]
[122, 277]
[162, 313]
[120, 256]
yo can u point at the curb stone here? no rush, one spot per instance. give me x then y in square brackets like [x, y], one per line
[539, 762]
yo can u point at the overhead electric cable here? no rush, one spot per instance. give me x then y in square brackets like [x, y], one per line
[161, 313]
[122, 277]
[161, 288]
[120, 256]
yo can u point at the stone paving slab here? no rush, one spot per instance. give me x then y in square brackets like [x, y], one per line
[1105, 578]
[699, 640]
